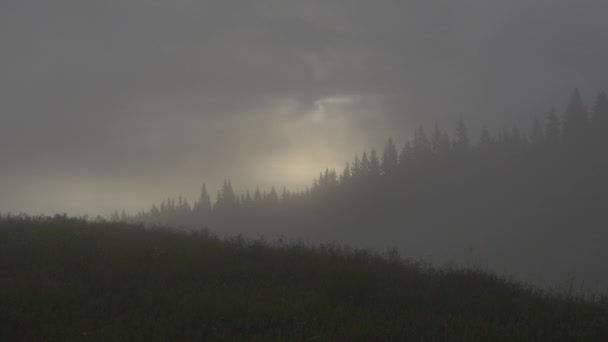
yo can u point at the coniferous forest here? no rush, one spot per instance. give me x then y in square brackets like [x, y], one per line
[268, 266]
[303, 170]
[524, 201]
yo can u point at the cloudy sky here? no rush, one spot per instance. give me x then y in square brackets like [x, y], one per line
[120, 103]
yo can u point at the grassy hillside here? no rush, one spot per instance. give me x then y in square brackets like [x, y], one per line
[68, 279]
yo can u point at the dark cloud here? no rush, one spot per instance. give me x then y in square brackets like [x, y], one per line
[153, 97]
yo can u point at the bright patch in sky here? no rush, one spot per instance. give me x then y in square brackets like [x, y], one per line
[326, 106]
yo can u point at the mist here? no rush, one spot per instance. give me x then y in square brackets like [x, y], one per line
[120, 105]
[527, 206]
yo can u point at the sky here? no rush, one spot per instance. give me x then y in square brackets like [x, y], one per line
[120, 103]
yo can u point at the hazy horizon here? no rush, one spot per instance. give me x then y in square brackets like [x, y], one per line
[287, 169]
[120, 104]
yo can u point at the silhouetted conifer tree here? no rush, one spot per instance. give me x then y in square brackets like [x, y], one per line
[365, 166]
[485, 140]
[327, 180]
[228, 194]
[440, 142]
[273, 197]
[183, 209]
[374, 163]
[355, 170]
[436, 139]
[346, 174]
[219, 202]
[390, 157]
[248, 200]
[428, 170]
[421, 144]
[315, 184]
[257, 196]
[226, 198]
[461, 138]
[115, 217]
[203, 206]
[575, 119]
[286, 195]
[154, 212]
[123, 216]
[405, 154]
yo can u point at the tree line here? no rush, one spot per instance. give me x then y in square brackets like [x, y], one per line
[436, 184]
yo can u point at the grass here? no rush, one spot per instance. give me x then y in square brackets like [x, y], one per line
[69, 279]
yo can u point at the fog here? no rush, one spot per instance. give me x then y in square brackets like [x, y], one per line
[119, 104]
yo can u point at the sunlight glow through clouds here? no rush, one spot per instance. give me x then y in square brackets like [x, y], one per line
[318, 141]
[326, 105]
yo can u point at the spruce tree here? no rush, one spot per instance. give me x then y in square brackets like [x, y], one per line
[484, 140]
[405, 154]
[226, 198]
[355, 170]
[436, 139]
[390, 157]
[273, 197]
[374, 163]
[115, 217]
[203, 206]
[365, 165]
[219, 202]
[228, 194]
[461, 139]
[346, 174]
[440, 143]
[421, 144]
[575, 119]
[257, 196]
[286, 196]
[154, 212]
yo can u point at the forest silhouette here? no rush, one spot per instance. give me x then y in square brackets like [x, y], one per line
[531, 205]
[511, 197]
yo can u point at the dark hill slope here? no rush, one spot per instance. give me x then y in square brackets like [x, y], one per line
[70, 279]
